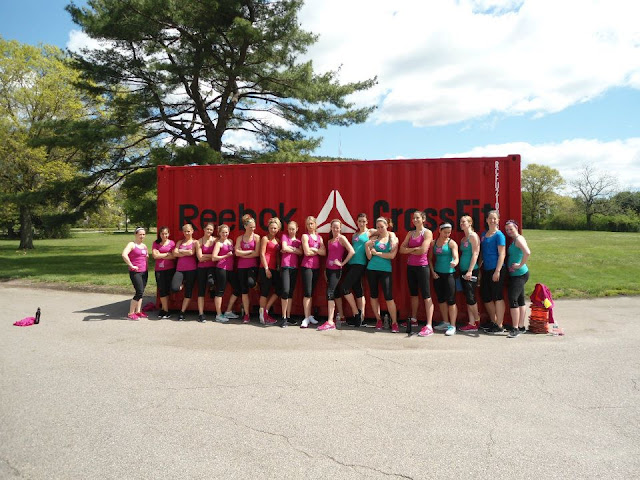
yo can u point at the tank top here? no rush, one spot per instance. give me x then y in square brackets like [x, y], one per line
[247, 262]
[335, 251]
[138, 257]
[466, 251]
[207, 251]
[225, 263]
[515, 256]
[443, 258]
[165, 263]
[186, 264]
[290, 260]
[417, 260]
[314, 261]
[360, 255]
[378, 263]
[271, 253]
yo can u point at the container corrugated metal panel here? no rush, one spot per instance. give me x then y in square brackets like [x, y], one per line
[445, 189]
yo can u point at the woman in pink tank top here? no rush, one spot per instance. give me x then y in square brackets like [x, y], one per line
[247, 250]
[416, 246]
[204, 249]
[313, 248]
[135, 255]
[185, 252]
[290, 257]
[269, 274]
[223, 255]
[339, 252]
[162, 251]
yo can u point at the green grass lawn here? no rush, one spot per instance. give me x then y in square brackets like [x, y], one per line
[572, 264]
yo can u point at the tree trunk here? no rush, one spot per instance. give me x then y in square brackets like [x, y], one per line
[26, 228]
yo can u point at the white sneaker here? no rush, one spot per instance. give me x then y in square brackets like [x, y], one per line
[261, 315]
[313, 320]
[450, 331]
[442, 326]
[305, 323]
[221, 319]
[230, 314]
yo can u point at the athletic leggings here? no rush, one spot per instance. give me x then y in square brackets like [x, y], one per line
[492, 291]
[469, 288]
[247, 278]
[203, 280]
[139, 281]
[163, 281]
[309, 280]
[288, 277]
[189, 278]
[266, 283]
[222, 278]
[445, 286]
[352, 280]
[333, 277]
[418, 279]
[384, 278]
[516, 290]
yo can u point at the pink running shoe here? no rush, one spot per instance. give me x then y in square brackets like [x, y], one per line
[245, 319]
[414, 323]
[326, 326]
[426, 331]
[379, 325]
[469, 328]
[269, 320]
[395, 328]
[132, 316]
[142, 315]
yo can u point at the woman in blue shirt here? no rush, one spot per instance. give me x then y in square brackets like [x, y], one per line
[492, 248]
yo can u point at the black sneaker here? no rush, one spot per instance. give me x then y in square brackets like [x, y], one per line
[181, 317]
[522, 329]
[513, 333]
[495, 329]
[283, 323]
[291, 322]
[488, 327]
[202, 318]
[161, 314]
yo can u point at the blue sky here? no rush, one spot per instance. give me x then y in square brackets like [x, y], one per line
[461, 77]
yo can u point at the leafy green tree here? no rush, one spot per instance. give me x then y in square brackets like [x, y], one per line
[627, 201]
[593, 190]
[539, 185]
[208, 71]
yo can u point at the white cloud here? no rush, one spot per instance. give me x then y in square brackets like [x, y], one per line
[619, 158]
[79, 40]
[452, 60]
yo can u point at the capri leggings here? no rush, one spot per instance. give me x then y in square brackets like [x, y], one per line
[288, 277]
[353, 280]
[469, 288]
[384, 278]
[189, 278]
[445, 286]
[266, 283]
[309, 280]
[222, 278]
[516, 290]
[247, 278]
[163, 281]
[333, 277]
[139, 281]
[205, 279]
[492, 291]
[418, 279]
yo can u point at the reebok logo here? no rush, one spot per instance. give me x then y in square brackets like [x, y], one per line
[323, 219]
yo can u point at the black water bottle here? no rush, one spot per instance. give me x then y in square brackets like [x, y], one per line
[37, 316]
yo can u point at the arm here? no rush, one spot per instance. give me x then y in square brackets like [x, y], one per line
[125, 256]
[308, 251]
[454, 253]
[199, 253]
[239, 251]
[256, 250]
[176, 250]
[501, 254]
[475, 253]
[368, 249]
[521, 243]
[159, 256]
[431, 263]
[391, 254]
[404, 248]
[322, 250]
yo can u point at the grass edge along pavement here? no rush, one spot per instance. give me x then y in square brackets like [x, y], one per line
[574, 264]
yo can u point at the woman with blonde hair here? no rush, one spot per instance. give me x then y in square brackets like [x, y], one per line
[206, 265]
[290, 254]
[247, 250]
[269, 274]
[185, 252]
[223, 256]
[313, 248]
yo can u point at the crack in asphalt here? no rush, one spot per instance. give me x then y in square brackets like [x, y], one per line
[356, 465]
[384, 359]
[13, 469]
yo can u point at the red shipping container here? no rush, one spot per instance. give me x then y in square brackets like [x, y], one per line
[445, 189]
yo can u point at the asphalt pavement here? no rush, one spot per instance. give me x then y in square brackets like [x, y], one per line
[88, 394]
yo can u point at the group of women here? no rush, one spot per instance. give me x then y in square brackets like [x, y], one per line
[274, 261]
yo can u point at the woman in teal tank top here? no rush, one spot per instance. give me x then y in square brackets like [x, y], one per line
[469, 253]
[517, 256]
[352, 281]
[445, 253]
